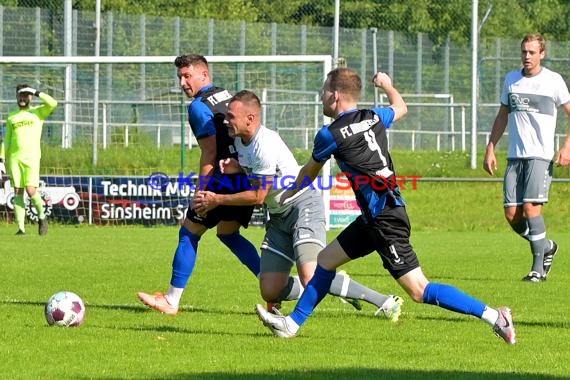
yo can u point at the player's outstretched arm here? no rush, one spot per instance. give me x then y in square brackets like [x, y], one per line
[397, 103]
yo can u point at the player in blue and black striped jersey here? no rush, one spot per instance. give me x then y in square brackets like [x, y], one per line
[206, 114]
[357, 139]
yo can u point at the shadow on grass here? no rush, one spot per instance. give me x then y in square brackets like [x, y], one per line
[164, 329]
[135, 308]
[125, 307]
[455, 318]
[558, 324]
[356, 373]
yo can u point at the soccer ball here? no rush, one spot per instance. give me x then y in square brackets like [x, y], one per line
[65, 309]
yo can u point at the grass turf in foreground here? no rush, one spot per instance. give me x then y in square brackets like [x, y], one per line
[218, 336]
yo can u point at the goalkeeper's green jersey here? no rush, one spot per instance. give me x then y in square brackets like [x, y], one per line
[24, 130]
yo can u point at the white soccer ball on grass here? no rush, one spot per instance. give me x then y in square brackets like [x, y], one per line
[65, 309]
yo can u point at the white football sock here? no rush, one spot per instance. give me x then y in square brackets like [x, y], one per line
[174, 295]
[292, 325]
[490, 315]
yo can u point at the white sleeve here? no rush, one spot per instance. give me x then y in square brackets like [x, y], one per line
[563, 95]
[265, 163]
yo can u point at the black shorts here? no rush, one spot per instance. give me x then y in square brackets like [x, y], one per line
[241, 214]
[231, 184]
[388, 234]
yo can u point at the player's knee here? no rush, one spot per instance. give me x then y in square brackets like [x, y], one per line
[271, 289]
[305, 278]
[194, 228]
[513, 215]
[269, 294]
[414, 283]
[416, 296]
[511, 219]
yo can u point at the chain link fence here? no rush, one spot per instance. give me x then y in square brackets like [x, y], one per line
[431, 66]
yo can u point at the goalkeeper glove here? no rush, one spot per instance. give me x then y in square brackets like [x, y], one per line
[29, 90]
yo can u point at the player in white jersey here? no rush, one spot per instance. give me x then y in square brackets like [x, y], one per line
[295, 231]
[529, 103]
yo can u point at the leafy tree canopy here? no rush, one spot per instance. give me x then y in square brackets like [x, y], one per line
[438, 19]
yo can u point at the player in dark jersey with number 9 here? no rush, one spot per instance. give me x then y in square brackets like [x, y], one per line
[357, 139]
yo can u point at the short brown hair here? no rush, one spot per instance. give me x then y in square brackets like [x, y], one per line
[190, 59]
[345, 80]
[247, 97]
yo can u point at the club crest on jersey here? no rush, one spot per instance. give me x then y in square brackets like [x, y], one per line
[219, 97]
[361, 126]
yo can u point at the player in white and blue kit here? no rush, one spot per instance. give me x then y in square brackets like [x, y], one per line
[295, 232]
[529, 102]
[357, 139]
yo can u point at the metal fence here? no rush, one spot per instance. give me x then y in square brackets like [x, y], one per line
[436, 77]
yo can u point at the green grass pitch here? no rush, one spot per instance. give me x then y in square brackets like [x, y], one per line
[217, 335]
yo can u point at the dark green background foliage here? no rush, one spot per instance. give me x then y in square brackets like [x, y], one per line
[506, 18]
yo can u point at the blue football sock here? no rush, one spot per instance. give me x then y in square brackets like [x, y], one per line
[184, 258]
[315, 291]
[243, 249]
[451, 298]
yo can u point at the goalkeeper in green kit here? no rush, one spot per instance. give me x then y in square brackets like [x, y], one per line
[22, 150]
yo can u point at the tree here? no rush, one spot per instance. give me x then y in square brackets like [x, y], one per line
[439, 19]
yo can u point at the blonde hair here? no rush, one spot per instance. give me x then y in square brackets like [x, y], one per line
[535, 37]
